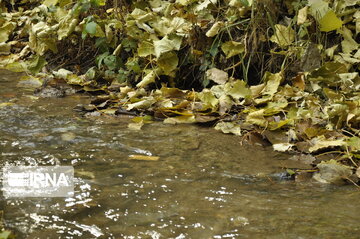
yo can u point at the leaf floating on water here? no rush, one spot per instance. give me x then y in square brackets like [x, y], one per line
[69, 136]
[143, 157]
[135, 126]
[180, 119]
[138, 122]
[333, 172]
[30, 81]
[5, 104]
[85, 174]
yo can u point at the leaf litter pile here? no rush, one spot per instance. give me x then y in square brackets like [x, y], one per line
[282, 71]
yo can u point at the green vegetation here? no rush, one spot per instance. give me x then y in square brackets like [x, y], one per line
[286, 70]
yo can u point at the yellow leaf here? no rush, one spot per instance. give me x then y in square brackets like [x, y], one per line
[302, 15]
[232, 48]
[48, 3]
[143, 157]
[214, 30]
[284, 36]
[6, 104]
[330, 22]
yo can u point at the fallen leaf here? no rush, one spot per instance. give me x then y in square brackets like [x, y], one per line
[229, 127]
[232, 48]
[330, 22]
[284, 36]
[282, 147]
[332, 172]
[143, 157]
[218, 76]
[214, 30]
[322, 143]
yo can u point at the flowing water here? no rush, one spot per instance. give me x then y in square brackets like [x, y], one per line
[205, 184]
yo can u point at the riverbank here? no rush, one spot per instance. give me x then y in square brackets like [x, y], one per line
[281, 73]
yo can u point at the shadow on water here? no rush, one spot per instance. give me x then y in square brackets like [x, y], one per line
[205, 185]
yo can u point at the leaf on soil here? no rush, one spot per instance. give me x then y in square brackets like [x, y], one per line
[257, 117]
[232, 48]
[145, 49]
[218, 76]
[5, 31]
[284, 36]
[166, 45]
[229, 127]
[214, 30]
[225, 104]
[145, 103]
[237, 89]
[168, 62]
[358, 172]
[207, 97]
[149, 78]
[302, 15]
[272, 83]
[330, 22]
[322, 143]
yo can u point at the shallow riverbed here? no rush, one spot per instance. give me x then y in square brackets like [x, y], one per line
[205, 185]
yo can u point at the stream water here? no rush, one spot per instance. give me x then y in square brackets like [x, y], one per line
[205, 185]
